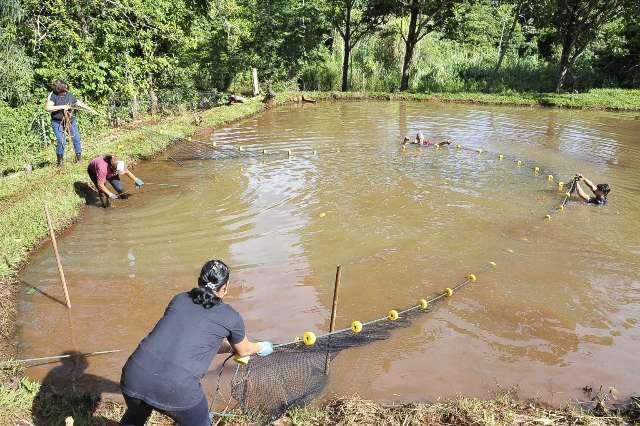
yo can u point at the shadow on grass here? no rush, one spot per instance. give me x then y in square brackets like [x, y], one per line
[87, 193]
[68, 391]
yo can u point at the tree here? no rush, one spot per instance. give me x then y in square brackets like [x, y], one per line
[425, 16]
[504, 42]
[355, 19]
[575, 24]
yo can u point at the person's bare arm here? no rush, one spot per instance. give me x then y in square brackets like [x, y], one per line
[589, 183]
[131, 175]
[581, 192]
[86, 107]
[246, 348]
[50, 107]
[103, 188]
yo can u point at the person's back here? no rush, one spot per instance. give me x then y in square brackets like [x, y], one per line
[182, 345]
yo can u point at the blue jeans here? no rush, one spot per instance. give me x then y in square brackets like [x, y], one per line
[58, 129]
[139, 411]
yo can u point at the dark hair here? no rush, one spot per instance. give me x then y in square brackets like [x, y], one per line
[213, 276]
[60, 87]
[604, 188]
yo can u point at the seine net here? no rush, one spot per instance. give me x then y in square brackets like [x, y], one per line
[295, 373]
[194, 150]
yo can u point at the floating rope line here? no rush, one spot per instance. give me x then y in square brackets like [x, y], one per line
[56, 357]
[294, 373]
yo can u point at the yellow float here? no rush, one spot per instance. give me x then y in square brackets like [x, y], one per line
[550, 177]
[471, 277]
[423, 304]
[500, 157]
[356, 326]
[548, 217]
[448, 292]
[491, 263]
[393, 315]
[309, 338]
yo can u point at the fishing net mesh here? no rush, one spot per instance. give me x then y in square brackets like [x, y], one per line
[295, 373]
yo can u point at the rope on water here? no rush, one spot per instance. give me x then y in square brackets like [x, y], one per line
[50, 358]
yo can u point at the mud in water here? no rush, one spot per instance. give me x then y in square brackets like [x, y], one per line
[560, 311]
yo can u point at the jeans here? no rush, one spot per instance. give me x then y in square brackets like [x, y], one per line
[58, 129]
[114, 181]
[139, 411]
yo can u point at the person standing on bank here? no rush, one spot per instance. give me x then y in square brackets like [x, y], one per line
[109, 168]
[61, 103]
[164, 372]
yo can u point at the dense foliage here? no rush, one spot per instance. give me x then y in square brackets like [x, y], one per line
[130, 56]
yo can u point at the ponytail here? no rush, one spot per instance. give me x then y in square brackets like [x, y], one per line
[213, 276]
[205, 297]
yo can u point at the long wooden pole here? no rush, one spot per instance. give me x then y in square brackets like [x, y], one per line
[334, 311]
[55, 250]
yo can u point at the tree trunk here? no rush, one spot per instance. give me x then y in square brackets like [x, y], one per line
[345, 66]
[410, 44]
[153, 99]
[563, 68]
[346, 38]
[505, 45]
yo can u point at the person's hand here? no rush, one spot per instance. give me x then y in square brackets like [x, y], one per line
[113, 196]
[267, 349]
[139, 183]
[65, 107]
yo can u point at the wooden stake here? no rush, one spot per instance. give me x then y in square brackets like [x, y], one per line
[256, 88]
[55, 249]
[334, 311]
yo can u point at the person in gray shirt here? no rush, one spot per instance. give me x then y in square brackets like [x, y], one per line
[165, 370]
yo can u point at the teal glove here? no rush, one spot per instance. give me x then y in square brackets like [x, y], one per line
[267, 349]
[139, 183]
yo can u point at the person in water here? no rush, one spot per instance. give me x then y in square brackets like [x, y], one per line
[109, 168]
[422, 140]
[165, 370]
[600, 191]
[61, 104]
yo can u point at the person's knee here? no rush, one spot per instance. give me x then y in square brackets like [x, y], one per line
[117, 185]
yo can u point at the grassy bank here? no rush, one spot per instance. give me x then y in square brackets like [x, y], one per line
[596, 99]
[40, 408]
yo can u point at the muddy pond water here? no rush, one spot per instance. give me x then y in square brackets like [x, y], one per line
[559, 312]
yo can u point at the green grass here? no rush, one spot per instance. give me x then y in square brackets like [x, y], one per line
[596, 99]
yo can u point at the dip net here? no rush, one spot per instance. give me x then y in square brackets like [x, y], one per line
[297, 371]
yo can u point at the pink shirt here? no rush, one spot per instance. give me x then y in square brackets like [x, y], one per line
[103, 169]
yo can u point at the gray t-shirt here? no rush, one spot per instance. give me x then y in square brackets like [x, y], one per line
[166, 368]
[66, 99]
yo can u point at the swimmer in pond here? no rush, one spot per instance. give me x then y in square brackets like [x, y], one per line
[600, 191]
[422, 140]
[109, 168]
[164, 372]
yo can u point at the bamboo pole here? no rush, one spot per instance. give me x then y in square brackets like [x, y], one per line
[334, 311]
[55, 249]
